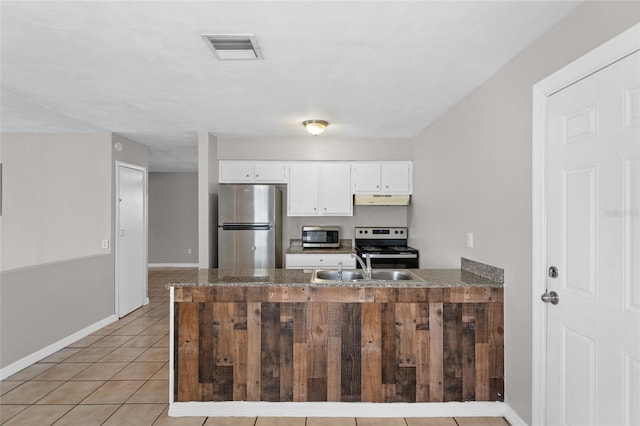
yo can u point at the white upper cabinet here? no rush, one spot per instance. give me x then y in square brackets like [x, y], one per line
[386, 177]
[319, 189]
[253, 172]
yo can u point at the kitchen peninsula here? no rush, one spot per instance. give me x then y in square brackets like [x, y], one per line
[275, 336]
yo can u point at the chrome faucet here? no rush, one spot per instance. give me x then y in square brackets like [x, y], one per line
[340, 271]
[366, 268]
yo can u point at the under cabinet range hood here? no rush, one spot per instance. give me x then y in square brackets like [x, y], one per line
[382, 199]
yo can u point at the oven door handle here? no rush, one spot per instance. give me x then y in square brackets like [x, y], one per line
[392, 256]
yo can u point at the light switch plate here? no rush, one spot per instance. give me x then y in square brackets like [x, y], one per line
[470, 239]
[105, 244]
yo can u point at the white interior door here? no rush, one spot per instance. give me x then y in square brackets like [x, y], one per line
[131, 258]
[593, 239]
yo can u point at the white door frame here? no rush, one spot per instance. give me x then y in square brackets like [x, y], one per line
[117, 228]
[612, 51]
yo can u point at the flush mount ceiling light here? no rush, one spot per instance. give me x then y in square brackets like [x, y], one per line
[315, 127]
[233, 46]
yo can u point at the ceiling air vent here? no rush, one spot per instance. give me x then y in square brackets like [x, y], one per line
[233, 46]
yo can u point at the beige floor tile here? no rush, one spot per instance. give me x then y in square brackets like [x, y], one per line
[8, 411]
[90, 354]
[136, 415]
[29, 392]
[71, 392]
[87, 415]
[37, 415]
[61, 355]
[123, 355]
[111, 341]
[280, 421]
[331, 421]
[114, 392]
[139, 371]
[371, 421]
[162, 343]
[163, 373]
[481, 421]
[101, 371]
[31, 371]
[142, 342]
[7, 385]
[231, 421]
[165, 420]
[85, 341]
[152, 392]
[130, 330]
[63, 371]
[156, 330]
[154, 354]
[430, 421]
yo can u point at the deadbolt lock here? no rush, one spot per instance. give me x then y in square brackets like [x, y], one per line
[553, 272]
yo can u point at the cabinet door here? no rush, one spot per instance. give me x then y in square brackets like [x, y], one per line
[396, 178]
[270, 171]
[365, 177]
[302, 192]
[335, 189]
[236, 171]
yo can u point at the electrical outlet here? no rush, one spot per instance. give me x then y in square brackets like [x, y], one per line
[189, 251]
[105, 244]
[470, 239]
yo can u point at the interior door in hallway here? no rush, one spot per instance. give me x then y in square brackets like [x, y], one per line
[593, 235]
[131, 262]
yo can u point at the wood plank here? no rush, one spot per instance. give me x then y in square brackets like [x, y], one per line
[287, 294]
[371, 353]
[223, 333]
[206, 343]
[422, 316]
[389, 354]
[254, 342]
[436, 389]
[389, 392]
[334, 361]
[351, 363]
[316, 389]
[482, 372]
[406, 334]
[300, 351]
[317, 320]
[422, 366]
[335, 319]
[188, 342]
[240, 316]
[300, 322]
[386, 295]
[413, 295]
[222, 384]
[406, 384]
[286, 352]
[468, 354]
[240, 365]
[452, 353]
[270, 359]
[496, 352]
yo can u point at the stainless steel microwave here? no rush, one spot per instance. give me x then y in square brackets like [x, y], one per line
[321, 236]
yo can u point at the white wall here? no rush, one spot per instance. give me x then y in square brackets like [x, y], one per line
[56, 197]
[472, 172]
[173, 217]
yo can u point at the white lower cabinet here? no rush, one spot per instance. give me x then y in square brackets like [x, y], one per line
[319, 261]
[319, 189]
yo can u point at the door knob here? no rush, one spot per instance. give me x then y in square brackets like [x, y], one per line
[550, 297]
[122, 232]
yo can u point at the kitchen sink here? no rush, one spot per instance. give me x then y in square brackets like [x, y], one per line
[331, 275]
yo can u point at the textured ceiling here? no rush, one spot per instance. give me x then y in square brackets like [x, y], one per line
[375, 69]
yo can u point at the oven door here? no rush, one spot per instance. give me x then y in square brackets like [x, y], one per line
[395, 261]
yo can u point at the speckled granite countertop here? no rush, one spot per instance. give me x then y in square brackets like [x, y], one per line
[298, 278]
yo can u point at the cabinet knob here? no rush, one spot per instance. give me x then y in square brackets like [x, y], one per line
[325, 209]
[248, 175]
[257, 175]
[377, 186]
[386, 186]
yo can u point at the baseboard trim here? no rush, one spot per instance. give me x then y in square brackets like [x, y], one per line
[337, 409]
[173, 265]
[31, 359]
[512, 417]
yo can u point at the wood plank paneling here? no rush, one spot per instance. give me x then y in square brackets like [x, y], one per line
[338, 344]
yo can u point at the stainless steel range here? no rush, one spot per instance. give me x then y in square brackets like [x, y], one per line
[387, 247]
